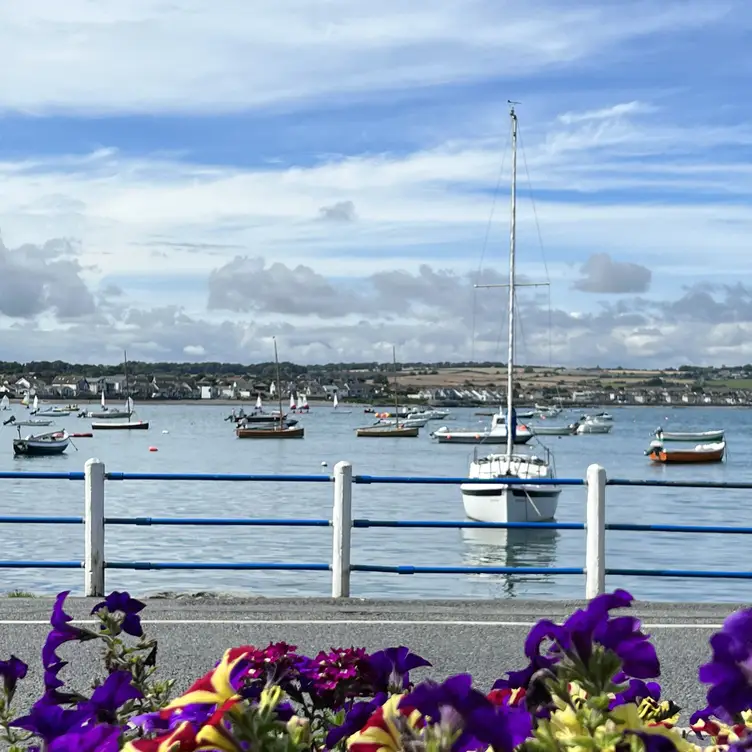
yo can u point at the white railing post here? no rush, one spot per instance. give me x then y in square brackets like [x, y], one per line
[595, 532]
[94, 480]
[341, 530]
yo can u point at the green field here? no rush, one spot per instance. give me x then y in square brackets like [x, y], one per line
[730, 383]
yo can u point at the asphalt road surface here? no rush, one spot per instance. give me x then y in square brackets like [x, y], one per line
[482, 637]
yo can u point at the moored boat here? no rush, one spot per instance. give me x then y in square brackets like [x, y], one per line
[41, 445]
[534, 497]
[592, 425]
[121, 425]
[713, 452]
[497, 434]
[505, 502]
[269, 432]
[388, 432]
[270, 427]
[540, 429]
[707, 436]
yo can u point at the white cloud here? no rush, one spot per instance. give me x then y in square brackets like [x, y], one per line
[619, 175]
[148, 55]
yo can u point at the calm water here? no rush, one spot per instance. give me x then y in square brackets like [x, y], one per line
[199, 440]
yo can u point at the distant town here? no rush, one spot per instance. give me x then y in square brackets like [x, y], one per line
[448, 384]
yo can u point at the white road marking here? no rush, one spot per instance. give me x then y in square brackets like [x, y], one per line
[350, 622]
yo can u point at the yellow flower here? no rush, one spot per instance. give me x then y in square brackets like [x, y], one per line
[381, 733]
[628, 717]
[214, 688]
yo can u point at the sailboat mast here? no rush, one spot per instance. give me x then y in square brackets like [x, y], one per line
[279, 383]
[396, 397]
[125, 371]
[512, 249]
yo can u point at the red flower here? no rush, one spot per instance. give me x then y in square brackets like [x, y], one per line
[506, 696]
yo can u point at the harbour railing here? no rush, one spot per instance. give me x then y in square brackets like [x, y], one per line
[95, 479]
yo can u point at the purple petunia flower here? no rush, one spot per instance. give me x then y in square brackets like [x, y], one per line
[730, 671]
[355, 719]
[49, 721]
[117, 602]
[389, 670]
[637, 690]
[62, 632]
[11, 672]
[169, 720]
[107, 698]
[100, 738]
[457, 706]
[590, 626]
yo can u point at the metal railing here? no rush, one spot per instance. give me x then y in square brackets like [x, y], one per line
[95, 479]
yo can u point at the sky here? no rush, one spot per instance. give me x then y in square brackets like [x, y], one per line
[188, 180]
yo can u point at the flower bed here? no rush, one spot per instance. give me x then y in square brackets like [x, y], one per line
[588, 684]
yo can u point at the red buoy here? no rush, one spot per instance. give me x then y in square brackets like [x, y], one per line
[153, 449]
[81, 435]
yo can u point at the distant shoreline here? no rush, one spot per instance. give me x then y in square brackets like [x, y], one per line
[249, 404]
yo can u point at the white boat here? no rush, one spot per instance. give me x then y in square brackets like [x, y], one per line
[504, 502]
[497, 434]
[601, 416]
[590, 425]
[544, 429]
[410, 420]
[110, 413]
[5, 403]
[431, 414]
[336, 409]
[52, 413]
[292, 402]
[33, 422]
[303, 406]
[695, 436]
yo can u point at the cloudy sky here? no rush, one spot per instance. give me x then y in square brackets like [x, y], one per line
[188, 179]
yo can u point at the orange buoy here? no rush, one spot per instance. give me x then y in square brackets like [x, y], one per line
[153, 449]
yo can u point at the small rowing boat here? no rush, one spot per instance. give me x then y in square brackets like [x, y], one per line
[41, 445]
[697, 436]
[701, 453]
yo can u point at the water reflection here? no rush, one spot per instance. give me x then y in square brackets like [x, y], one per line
[516, 547]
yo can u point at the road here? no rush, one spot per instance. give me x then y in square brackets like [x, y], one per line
[482, 637]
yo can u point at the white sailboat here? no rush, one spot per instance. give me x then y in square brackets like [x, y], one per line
[5, 403]
[111, 413]
[336, 409]
[504, 502]
[259, 404]
[292, 402]
[303, 403]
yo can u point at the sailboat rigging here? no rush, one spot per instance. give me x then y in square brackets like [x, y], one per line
[397, 431]
[280, 428]
[504, 502]
[127, 412]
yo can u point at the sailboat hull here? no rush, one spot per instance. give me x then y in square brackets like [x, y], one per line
[270, 432]
[505, 503]
[110, 415]
[111, 425]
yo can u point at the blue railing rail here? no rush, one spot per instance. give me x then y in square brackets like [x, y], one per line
[94, 520]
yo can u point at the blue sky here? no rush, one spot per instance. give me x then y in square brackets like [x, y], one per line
[338, 143]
